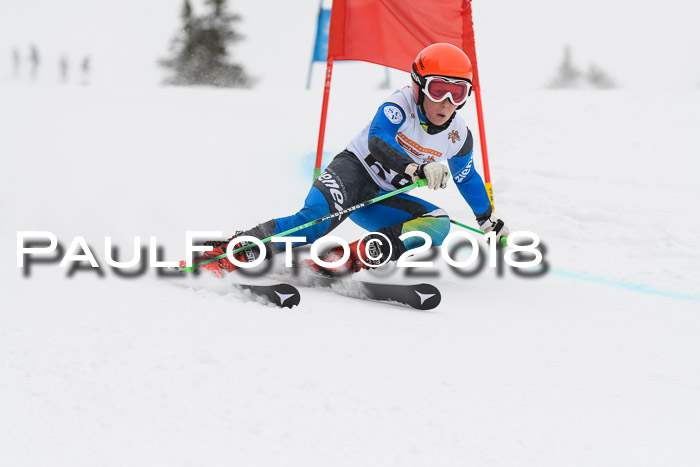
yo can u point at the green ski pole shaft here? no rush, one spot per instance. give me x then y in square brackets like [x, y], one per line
[504, 240]
[419, 183]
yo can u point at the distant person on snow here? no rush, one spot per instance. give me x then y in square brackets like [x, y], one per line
[34, 60]
[85, 66]
[16, 62]
[63, 69]
[412, 132]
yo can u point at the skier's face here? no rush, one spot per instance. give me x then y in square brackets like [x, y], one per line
[438, 112]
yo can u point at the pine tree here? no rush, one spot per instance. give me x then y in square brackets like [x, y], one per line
[598, 78]
[568, 76]
[200, 50]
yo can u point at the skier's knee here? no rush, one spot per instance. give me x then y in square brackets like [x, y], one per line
[437, 226]
[440, 228]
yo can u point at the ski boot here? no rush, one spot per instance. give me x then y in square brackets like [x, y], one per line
[223, 266]
[370, 256]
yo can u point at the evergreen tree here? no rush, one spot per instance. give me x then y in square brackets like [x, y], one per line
[598, 78]
[568, 75]
[200, 49]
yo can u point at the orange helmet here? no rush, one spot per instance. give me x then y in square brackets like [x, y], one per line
[442, 60]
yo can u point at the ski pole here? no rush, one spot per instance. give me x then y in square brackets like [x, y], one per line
[419, 183]
[504, 240]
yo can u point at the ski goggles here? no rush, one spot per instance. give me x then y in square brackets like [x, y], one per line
[439, 88]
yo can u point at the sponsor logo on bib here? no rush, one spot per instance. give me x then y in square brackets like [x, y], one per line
[393, 113]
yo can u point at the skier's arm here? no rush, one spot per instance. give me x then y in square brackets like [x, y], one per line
[472, 188]
[468, 181]
[382, 138]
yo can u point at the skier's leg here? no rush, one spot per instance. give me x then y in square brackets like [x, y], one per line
[404, 213]
[344, 183]
[391, 217]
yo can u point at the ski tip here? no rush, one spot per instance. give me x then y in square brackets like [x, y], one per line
[428, 295]
[417, 296]
[287, 295]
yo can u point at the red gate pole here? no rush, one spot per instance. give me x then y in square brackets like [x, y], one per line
[324, 112]
[482, 140]
[469, 47]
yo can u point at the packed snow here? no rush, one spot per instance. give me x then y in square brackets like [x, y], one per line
[594, 363]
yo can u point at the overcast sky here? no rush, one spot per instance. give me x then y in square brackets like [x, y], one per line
[641, 44]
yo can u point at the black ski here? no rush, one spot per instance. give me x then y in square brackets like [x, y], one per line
[282, 295]
[418, 296]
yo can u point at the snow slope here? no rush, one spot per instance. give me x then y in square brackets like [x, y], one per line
[595, 364]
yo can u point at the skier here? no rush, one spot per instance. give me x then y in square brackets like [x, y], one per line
[34, 60]
[412, 132]
[16, 61]
[63, 69]
[85, 66]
